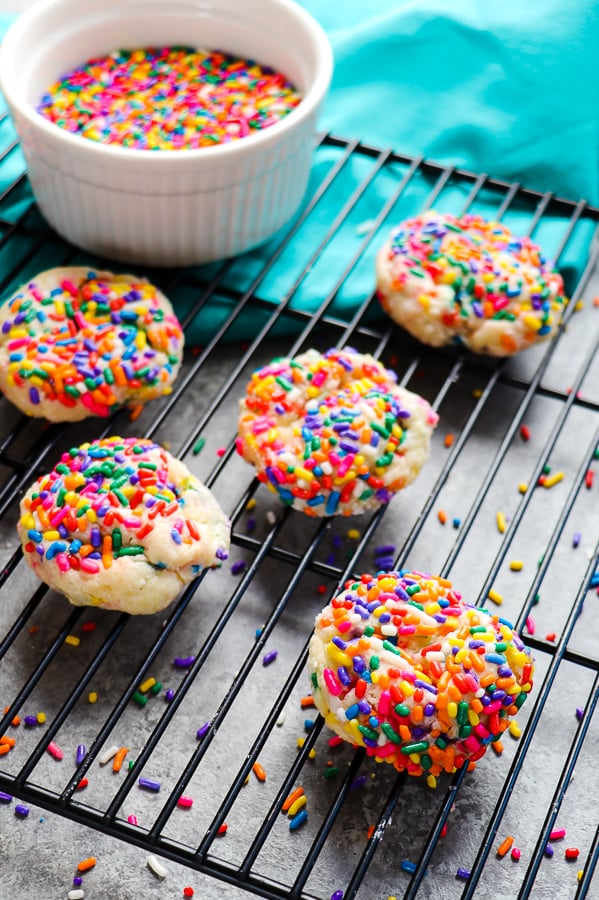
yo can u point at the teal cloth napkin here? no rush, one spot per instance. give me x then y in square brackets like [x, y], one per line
[502, 87]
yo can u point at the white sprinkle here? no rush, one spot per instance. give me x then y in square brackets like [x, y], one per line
[108, 754]
[270, 517]
[388, 628]
[77, 894]
[156, 866]
[281, 719]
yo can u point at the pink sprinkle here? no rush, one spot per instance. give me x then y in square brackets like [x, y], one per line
[89, 565]
[132, 820]
[221, 451]
[558, 834]
[384, 703]
[54, 750]
[185, 802]
[530, 624]
[330, 679]
[516, 854]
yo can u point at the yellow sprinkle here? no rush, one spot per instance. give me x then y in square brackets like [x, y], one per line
[516, 565]
[147, 684]
[580, 874]
[553, 479]
[353, 534]
[515, 729]
[312, 754]
[501, 522]
[73, 640]
[522, 487]
[52, 535]
[431, 781]
[250, 504]
[297, 805]
[92, 697]
[579, 306]
[41, 717]
[495, 596]
[477, 393]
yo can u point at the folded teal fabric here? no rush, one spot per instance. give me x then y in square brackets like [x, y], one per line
[504, 87]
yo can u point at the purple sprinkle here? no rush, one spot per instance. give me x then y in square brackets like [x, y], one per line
[385, 550]
[5, 798]
[183, 662]
[169, 695]
[30, 720]
[269, 657]
[250, 525]
[579, 713]
[77, 880]
[149, 785]
[576, 539]
[358, 782]
[238, 566]
[81, 753]
[221, 554]
[337, 895]
[549, 851]
[203, 730]
[463, 873]
[337, 541]
[21, 810]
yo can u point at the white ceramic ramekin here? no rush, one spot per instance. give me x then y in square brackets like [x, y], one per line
[165, 207]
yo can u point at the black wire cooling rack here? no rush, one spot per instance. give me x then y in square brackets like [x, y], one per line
[216, 709]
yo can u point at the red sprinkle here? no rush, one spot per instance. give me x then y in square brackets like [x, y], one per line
[525, 433]
[223, 828]
[588, 478]
[188, 892]
[572, 853]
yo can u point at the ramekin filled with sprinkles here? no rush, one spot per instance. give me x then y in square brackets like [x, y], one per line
[166, 133]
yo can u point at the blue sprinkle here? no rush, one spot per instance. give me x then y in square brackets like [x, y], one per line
[298, 819]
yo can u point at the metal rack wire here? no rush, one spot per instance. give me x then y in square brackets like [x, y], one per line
[357, 192]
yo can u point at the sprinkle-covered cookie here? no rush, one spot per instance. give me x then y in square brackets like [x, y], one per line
[121, 524]
[77, 343]
[402, 666]
[333, 433]
[466, 281]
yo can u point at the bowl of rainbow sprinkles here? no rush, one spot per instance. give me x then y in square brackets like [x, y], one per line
[166, 133]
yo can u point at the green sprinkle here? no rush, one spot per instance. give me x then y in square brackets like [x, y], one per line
[387, 645]
[140, 698]
[368, 732]
[390, 733]
[402, 710]
[331, 772]
[374, 663]
[418, 747]
[199, 446]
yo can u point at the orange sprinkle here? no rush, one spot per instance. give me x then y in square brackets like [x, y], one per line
[307, 701]
[442, 516]
[119, 759]
[505, 846]
[135, 412]
[449, 439]
[86, 864]
[259, 772]
[370, 832]
[293, 796]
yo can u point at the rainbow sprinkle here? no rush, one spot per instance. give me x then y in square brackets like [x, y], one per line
[101, 503]
[333, 433]
[168, 98]
[401, 666]
[77, 343]
[462, 271]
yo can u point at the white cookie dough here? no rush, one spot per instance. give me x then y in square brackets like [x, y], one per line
[402, 666]
[466, 281]
[121, 524]
[333, 433]
[77, 343]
